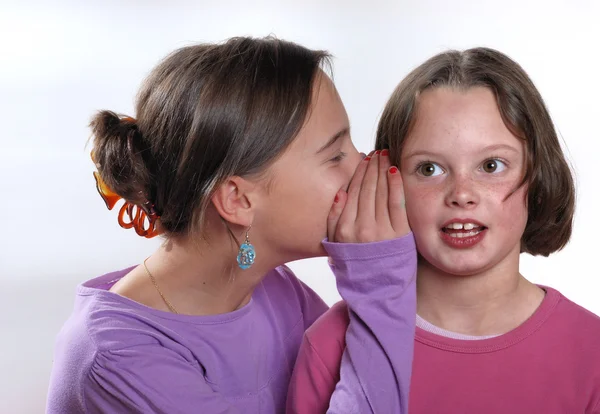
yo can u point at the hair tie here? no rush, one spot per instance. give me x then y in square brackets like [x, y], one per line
[137, 215]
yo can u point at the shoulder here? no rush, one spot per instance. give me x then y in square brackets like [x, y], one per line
[576, 316]
[329, 330]
[577, 338]
[112, 352]
[282, 277]
[115, 322]
[574, 330]
[98, 326]
[290, 294]
[105, 321]
[281, 284]
[324, 342]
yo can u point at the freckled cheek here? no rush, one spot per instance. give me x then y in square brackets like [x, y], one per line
[419, 205]
[508, 214]
[514, 212]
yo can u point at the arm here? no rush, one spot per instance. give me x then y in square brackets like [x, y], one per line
[312, 384]
[596, 409]
[374, 261]
[377, 280]
[149, 379]
[317, 369]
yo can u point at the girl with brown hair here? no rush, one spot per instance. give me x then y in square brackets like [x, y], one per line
[240, 156]
[485, 180]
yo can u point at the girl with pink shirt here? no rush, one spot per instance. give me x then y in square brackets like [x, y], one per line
[485, 180]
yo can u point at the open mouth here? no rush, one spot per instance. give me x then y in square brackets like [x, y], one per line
[463, 230]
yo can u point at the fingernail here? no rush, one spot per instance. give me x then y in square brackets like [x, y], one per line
[385, 152]
[371, 153]
[393, 170]
[377, 152]
[367, 158]
[336, 199]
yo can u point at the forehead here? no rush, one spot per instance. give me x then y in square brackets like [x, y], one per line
[448, 119]
[326, 115]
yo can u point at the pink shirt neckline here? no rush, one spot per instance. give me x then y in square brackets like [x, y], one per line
[529, 327]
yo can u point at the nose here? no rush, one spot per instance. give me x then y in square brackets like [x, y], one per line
[462, 192]
[354, 158]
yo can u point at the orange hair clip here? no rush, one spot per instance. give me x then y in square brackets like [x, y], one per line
[137, 216]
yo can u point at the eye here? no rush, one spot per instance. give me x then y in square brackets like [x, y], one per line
[338, 157]
[429, 169]
[493, 166]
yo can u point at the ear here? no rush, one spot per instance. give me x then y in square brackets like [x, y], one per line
[235, 201]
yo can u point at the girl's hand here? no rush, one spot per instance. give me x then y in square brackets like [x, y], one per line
[373, 209]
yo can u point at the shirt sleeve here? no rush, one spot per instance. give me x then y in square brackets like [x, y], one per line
[317, 369]
[149, 379]
[378, 282]
[596, 409]
[312, 384]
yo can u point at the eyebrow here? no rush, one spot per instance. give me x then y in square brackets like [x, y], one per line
[334, 139]
[491, 148]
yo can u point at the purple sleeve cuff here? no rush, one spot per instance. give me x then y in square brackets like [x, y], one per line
[373, 250]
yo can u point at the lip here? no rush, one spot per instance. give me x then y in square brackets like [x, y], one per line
[463, 242]
[464, 221]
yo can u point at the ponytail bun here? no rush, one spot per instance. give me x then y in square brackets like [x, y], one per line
[118, 152]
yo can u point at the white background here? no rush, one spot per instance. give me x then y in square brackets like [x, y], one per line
[61, 61]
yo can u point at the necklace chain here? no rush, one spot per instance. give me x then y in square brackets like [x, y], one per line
[153, 280]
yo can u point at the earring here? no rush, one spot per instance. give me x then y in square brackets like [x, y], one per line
[246, 254]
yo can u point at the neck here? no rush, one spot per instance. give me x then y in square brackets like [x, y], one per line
[203, 277]
[492, 302]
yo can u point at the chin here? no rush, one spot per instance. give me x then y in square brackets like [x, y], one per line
[447, 266]
[464, 271]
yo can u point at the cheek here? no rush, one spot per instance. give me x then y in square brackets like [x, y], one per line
[310, 192]
[419, 201]
[327, 186]
[514, 212]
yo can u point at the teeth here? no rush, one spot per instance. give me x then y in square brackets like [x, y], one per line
[463, 235]
[460, 226]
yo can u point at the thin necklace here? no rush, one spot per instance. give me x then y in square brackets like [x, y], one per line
[171, 307]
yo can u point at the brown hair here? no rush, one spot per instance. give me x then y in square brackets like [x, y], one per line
[205, 113]
[548, 179]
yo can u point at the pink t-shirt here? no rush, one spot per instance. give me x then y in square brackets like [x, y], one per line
[550, 364]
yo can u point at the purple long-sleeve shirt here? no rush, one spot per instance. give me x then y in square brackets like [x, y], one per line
[378, 283]
[115, 355]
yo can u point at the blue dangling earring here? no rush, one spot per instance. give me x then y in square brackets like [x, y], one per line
[246, 254]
